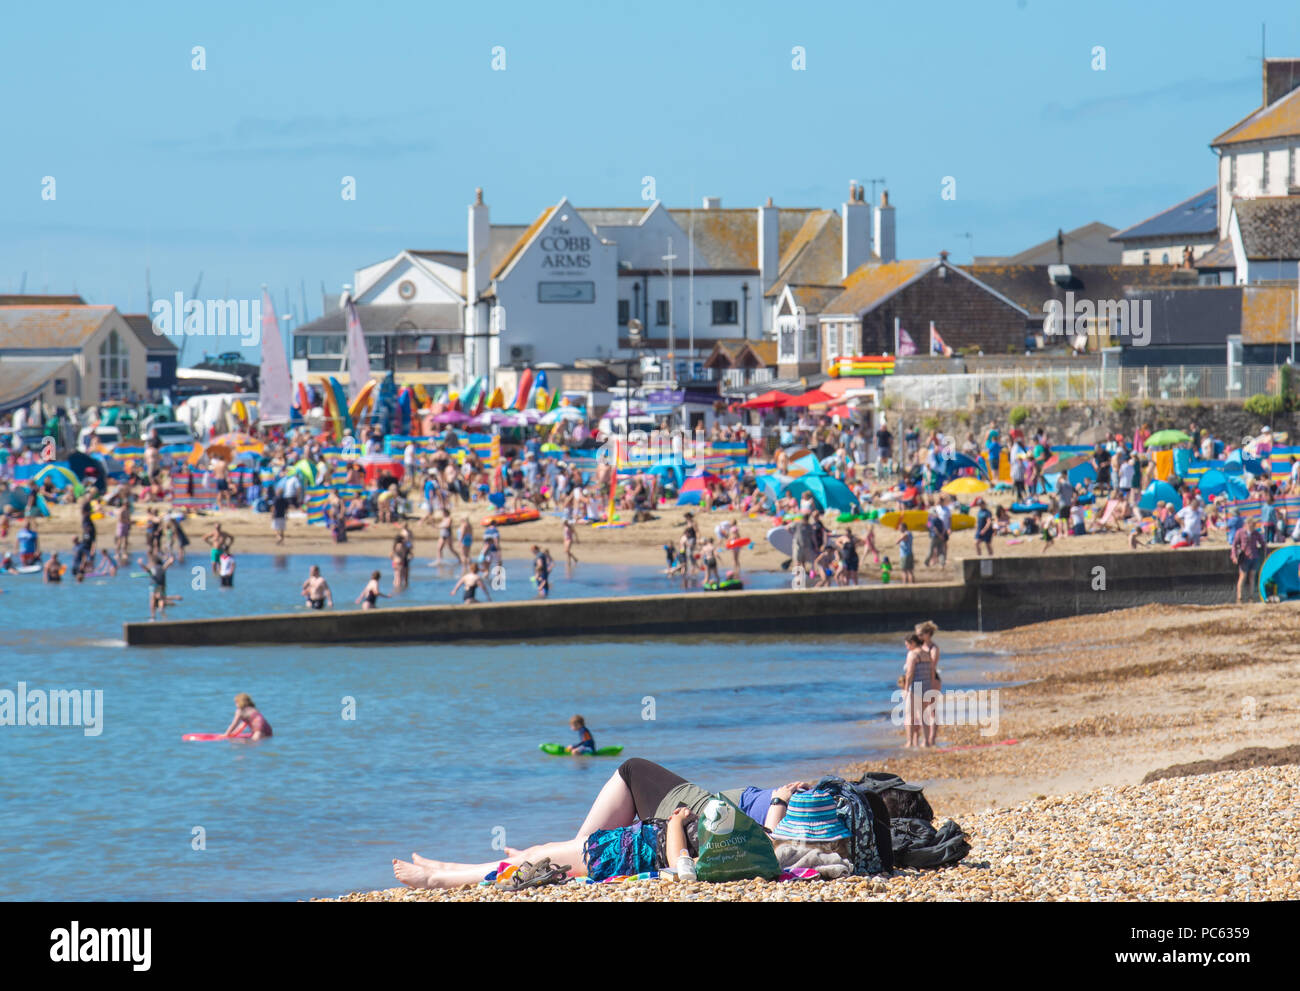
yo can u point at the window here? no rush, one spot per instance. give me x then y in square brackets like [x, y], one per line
[1263, 183]
[850, 342]
[1146, 258]
[60, 387]
[725, 310]
[1164, 259]
[1232, 174]
[114, 368]
[788, 339]
[661, 312]
[624, 312]
[832, 340]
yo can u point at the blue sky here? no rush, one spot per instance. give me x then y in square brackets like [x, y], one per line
[236, 171]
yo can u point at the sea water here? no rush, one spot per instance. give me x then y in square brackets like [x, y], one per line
[382, 750]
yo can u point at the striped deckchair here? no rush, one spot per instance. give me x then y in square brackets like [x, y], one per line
[193, 491]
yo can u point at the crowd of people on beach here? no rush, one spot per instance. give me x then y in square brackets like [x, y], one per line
[443, 482]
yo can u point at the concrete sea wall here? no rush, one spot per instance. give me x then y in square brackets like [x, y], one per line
[995, 593]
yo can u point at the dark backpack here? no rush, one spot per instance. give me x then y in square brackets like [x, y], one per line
[918, 844]
[901, 799]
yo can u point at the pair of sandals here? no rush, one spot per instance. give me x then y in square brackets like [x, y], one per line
[536, 875]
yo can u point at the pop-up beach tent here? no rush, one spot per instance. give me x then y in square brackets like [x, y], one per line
[1159, 492]
[828, 490]
[1215, 483]
[1281, 572]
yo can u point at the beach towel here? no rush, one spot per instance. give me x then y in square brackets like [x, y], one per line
[629, 850]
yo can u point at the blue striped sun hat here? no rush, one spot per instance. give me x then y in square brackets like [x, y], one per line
[811, 816]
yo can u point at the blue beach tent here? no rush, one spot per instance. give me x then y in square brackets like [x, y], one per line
[1281, 568]
[1214, 483]
[1159, 492]
[829, 492]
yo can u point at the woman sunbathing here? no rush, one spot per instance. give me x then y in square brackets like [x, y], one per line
[638, 790]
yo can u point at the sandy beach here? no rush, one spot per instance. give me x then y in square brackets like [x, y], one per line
[640, 544]
[1097, 704]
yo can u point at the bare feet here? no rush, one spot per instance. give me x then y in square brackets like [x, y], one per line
[413, 875]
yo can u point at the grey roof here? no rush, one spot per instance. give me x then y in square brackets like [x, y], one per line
[1270, 226]
[21, 380]
[1196, 216]
[616, 216]
[453, 259]
[1220, 256]
[389, 318]
[142, 325]
[1195, 315]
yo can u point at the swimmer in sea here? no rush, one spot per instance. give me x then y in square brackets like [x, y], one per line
[542, 571]
[156, 568]
[246, 714]
[53, 572]
[316, 590]
[471, 581]
[370, 595]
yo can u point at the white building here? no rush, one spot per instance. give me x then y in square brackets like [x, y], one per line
[571, 284]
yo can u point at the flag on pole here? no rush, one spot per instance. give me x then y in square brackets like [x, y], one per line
[358, 353]
[937, 346]
[906, 345]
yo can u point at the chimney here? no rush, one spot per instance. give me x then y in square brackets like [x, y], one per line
[1060, 246]
[885, 238]
[713, 202]
[1281, 76]
[479, 272]
[856, 233]
[769, 239]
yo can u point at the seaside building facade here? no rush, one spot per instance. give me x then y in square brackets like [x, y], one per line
[603, 284]
[68, 354]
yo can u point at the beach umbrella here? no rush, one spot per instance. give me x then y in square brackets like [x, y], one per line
[451, 416]
[1159, 492]
[843, 412]
[1167, 438]
[767, 400]
[814, 397]
[668, 470]
[220, 451]
[829, 492]
[1281, 568]
[806, 464]
[1215, 482]
[966, 485]
[558, 413]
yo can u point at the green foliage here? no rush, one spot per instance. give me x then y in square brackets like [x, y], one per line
[1062, 405]
[1018, 415]
[930, 423]
[1195, 403]
[1265, 406]
[1119, 404]
[963, 417]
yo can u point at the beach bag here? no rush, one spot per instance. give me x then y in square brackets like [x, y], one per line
[733, 847]
[918, 844]
[903, 800]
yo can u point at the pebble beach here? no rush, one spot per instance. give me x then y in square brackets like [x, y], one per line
[1229, 836]
[1100, 798]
